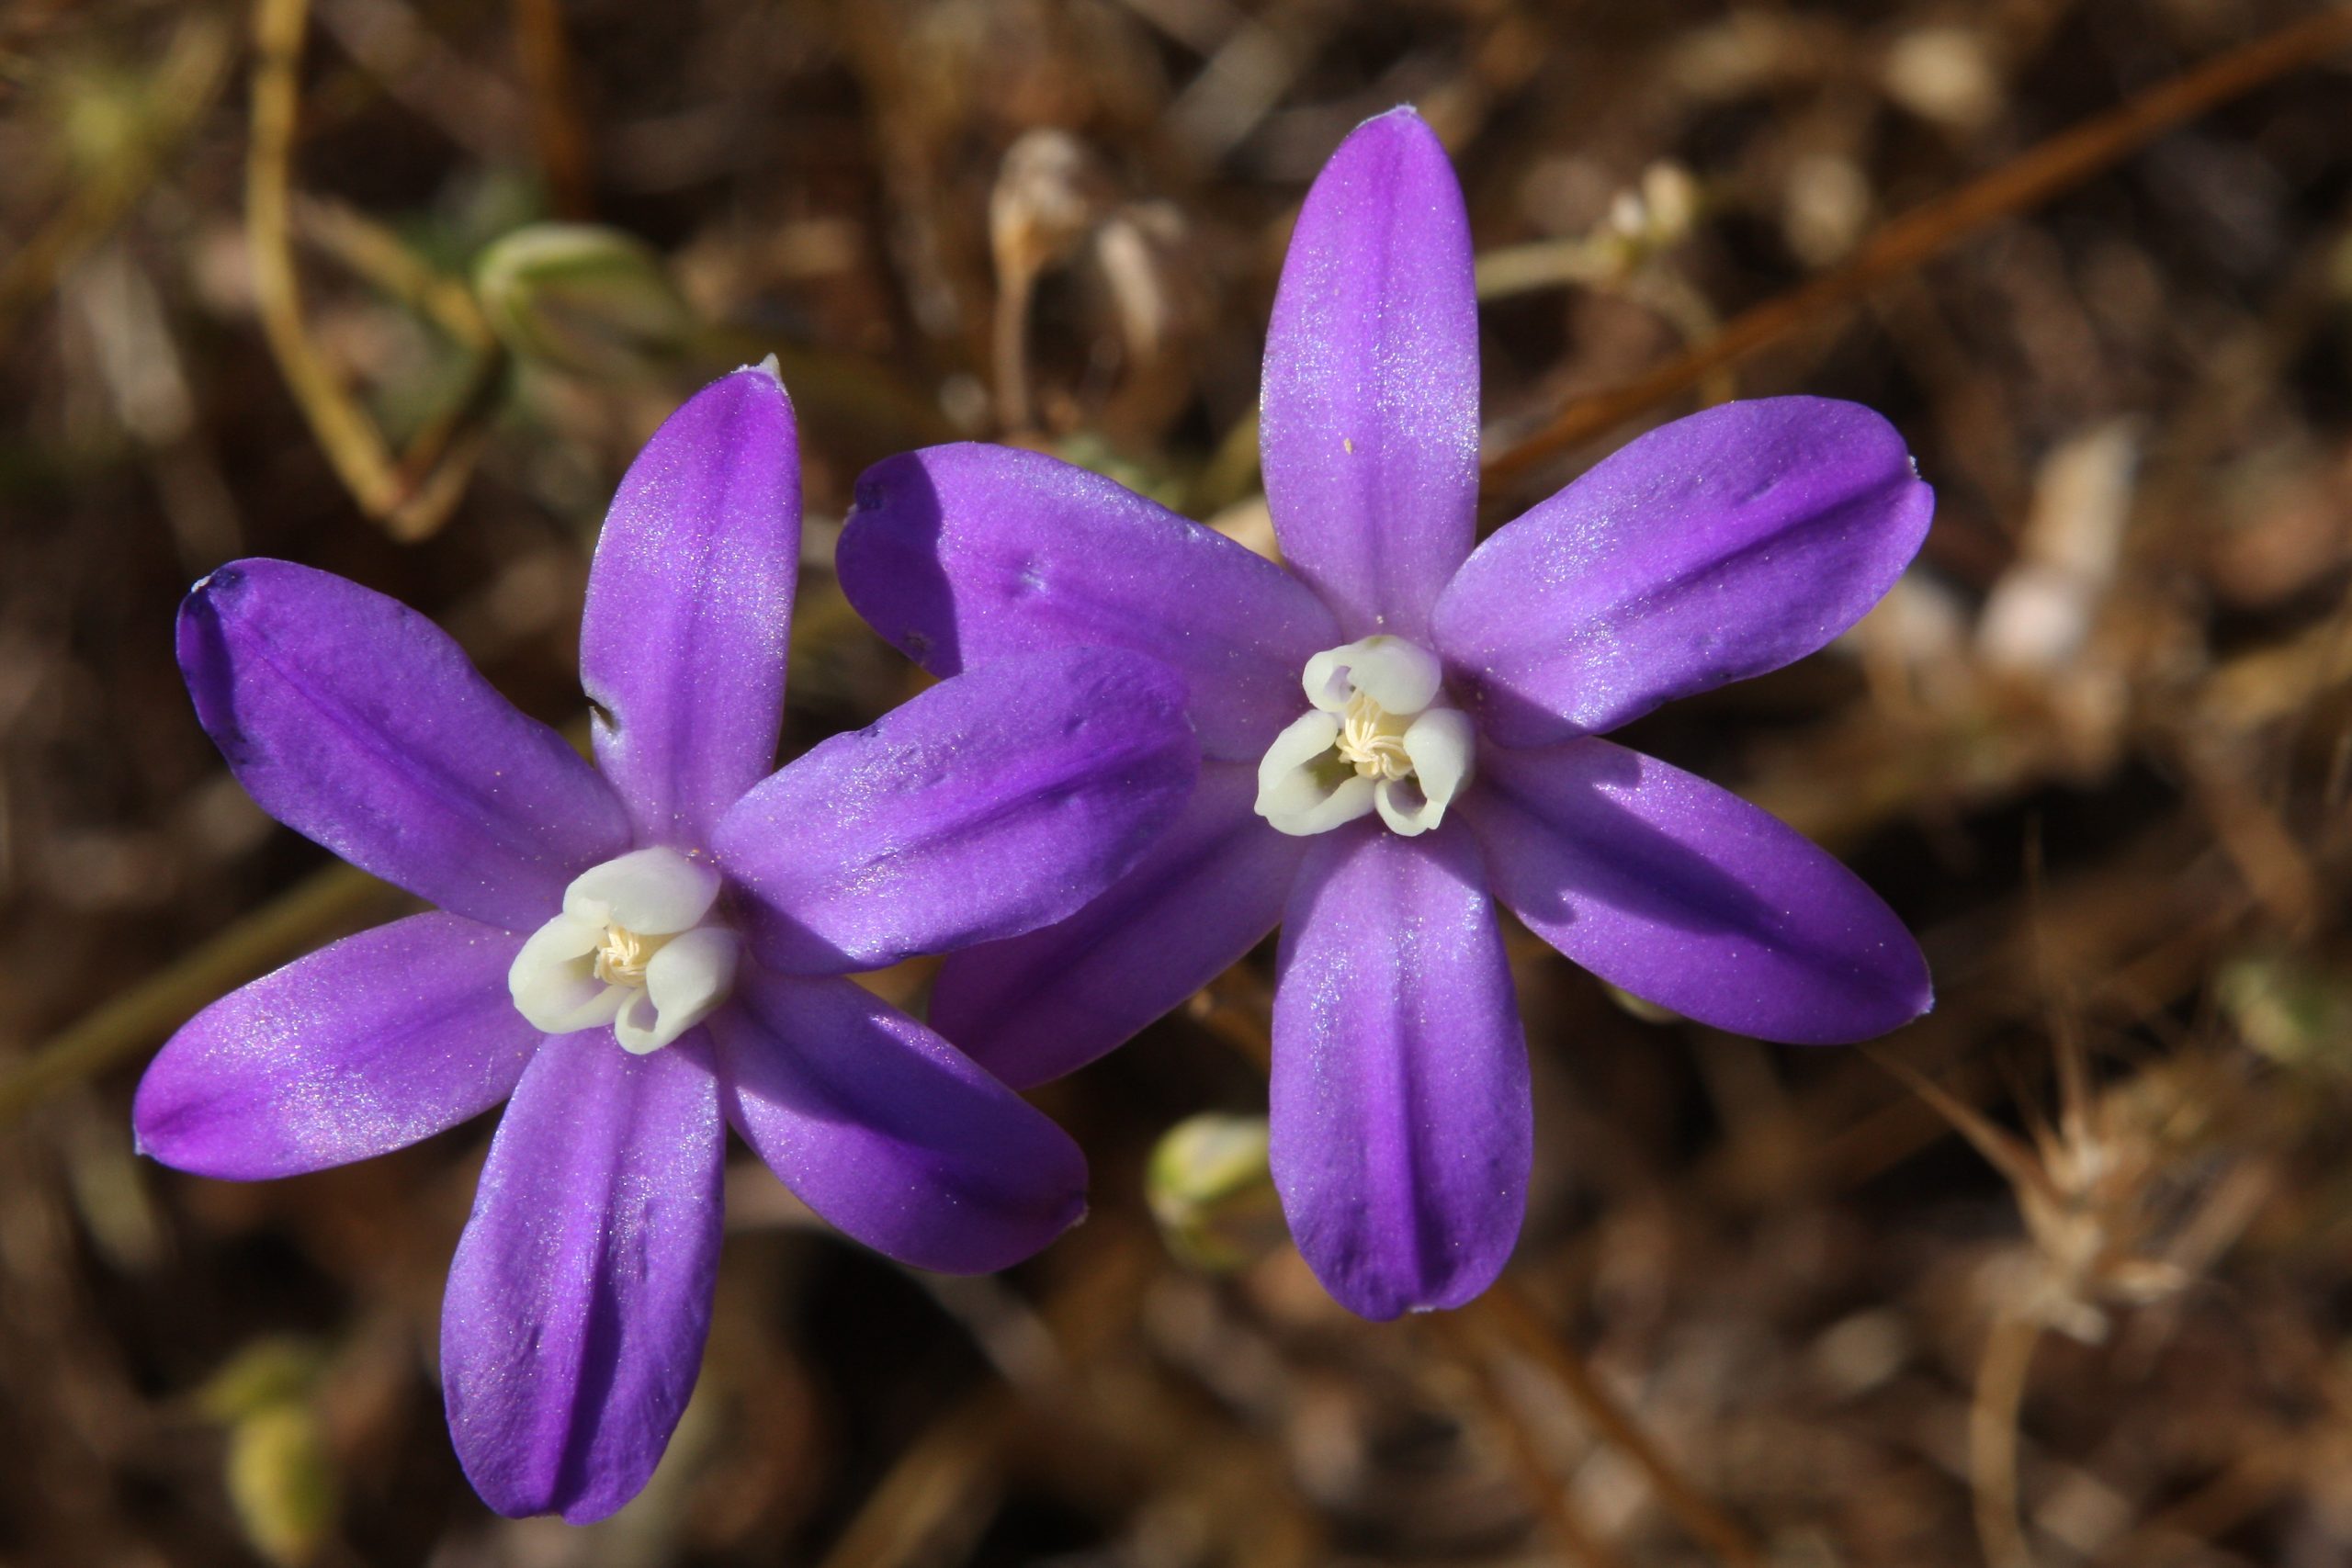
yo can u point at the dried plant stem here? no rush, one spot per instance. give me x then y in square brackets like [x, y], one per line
[561, 137]
[414, 495]
[357, 453]
[1544, 1489]
[334, 900]
[2024, 182]
[1993, 1438]
[1516, 1319]
[943, 1482]
[2252, 1483]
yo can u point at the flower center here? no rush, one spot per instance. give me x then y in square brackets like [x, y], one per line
[621, 957]
[637, 946]
[1372, 739]
[1376, 738]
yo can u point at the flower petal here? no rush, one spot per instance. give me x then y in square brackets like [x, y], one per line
[685, 982]
[963, 555]
[359, 723]
[653, 892]
[996, 802]
[888, 1131]
[1369, 412]
[682, 644]
[1685, 895]
[573, 1326]
[1717, 547]
[1042, 1005]
[1402, 1125]
[365, 1046]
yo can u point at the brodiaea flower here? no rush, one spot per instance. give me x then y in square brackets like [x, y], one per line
[644, 958]
[1442, 755]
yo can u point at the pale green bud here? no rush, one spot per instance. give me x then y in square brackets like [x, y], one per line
[1209, 1189]
[583, 298]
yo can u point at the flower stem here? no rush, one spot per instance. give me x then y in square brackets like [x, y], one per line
[2026, 181]
[331, 902]
[1993, 1438]
[1523, 1327]
[1544, 1489]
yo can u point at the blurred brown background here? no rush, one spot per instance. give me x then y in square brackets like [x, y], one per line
[2062, 1274]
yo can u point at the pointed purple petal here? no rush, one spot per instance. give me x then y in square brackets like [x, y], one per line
[1714, 549]
[1369, 412]
[365, 1046]
[996, 802]
[681, 646]
[357, 722]
[888, 1131]
[1046, 1004]
[964, 555]
[580, 1292]
[1684, 894]
[1402, 1125]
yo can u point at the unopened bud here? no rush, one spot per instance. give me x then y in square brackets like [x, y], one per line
[281, 1471]
[587, 300]
[1212, 1193]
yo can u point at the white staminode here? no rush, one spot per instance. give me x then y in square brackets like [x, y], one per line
[635, 948]
[1374, 741]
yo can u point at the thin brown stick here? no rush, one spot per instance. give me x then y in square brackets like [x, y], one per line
[352, 444]
[1544, 1489]
[1523, 1327]
[1993, 1438]
[331, 902]
[556, 124]
[413, 495]
[2024, 182]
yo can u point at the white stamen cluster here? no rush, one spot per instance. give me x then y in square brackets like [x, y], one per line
[636, 946]
[1377, 740]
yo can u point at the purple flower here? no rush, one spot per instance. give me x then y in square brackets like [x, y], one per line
[1444, 754]
[643, 957]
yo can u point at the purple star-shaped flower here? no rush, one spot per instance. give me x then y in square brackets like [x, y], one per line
[1443, 755]
[644, 958]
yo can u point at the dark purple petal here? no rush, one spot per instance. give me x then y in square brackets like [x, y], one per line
[996, 802]
[1712, 549]
[580, 1293]
[681, 646]
[356, 722]
[1685, 895]
[1369, 412]
[890, 1132]
[1042, 1005]
[963, 555]
[1402, 1125]
[365, 1046]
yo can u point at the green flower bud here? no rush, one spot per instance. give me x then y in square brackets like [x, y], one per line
[1209, 1189]
[280, 1473]
[590, 300]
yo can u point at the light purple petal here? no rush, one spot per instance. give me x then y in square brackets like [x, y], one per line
[996, 802]
[888, 1131]
[1682, 893]
[365, 1046]
[1369, 412]
[681, 646]
[1402, 1125]
[1714, 549]
[1042, 1005]
[356, 722]
[964, 555]
[580, 1293]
